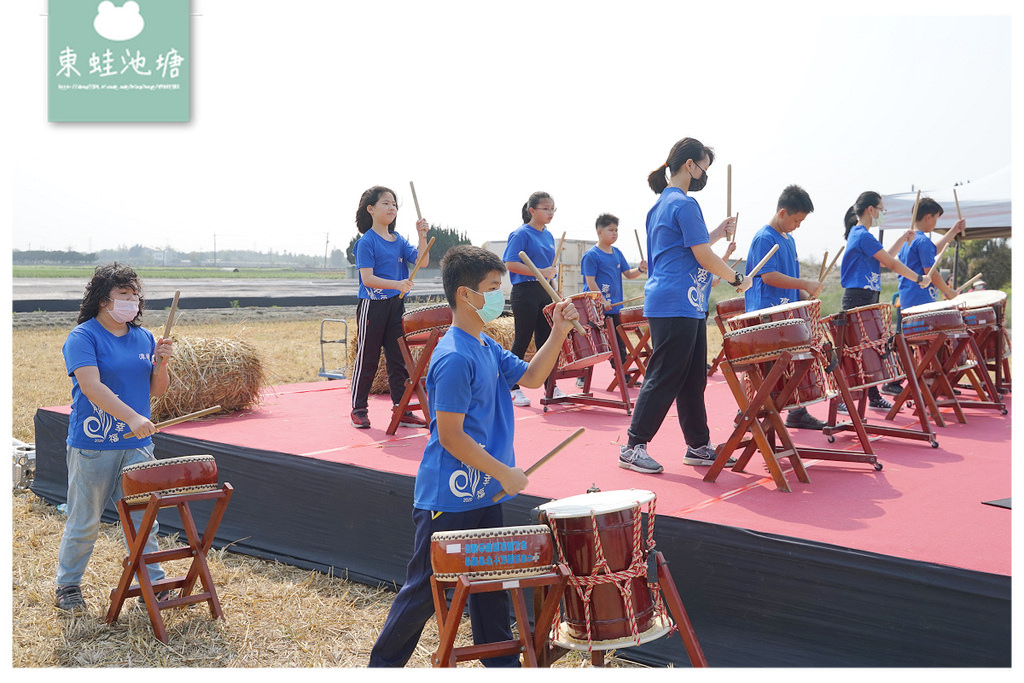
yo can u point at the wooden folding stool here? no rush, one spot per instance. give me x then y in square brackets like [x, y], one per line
[421, 328]
[173, 482]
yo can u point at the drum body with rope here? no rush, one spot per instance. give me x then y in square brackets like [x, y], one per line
[418, 323]
[494, 553]
[609, 602]
[760, 337]
[863, 338]
[632, 317]
[583, 350]
[170, 476]
[922, 323]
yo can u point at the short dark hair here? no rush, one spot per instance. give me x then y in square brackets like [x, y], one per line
[364, 221]
[606, 219]
[794, 199]
[466, 266]
[105, 278]
[927, 207]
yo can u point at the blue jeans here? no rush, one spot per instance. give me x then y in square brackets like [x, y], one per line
[94, 477]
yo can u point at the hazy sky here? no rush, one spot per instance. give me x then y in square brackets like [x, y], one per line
[299, 107]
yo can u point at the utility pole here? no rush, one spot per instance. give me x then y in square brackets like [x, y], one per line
[326, 246]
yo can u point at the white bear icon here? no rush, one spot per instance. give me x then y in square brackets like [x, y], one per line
[118, 23]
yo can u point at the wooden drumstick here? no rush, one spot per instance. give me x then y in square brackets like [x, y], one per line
[760, 265]
[169, 323]
[547, 287]
[968, 283]
[419, 262]
[419, 216]
[177, 420]
[833, 264]
[913, 214]
[535, 466]
[824, 263]
[935, 266]
[627, 301]
[638, 245]
[956, 199]
[558, 252]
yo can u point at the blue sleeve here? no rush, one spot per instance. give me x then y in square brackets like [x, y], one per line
[512, 367]
[409, 252]
[758, 248]
[926, 254]
[588, 266]
[452, 373]
[691, 223]
[363, 252]
[869, 244]
[513, 247]
[79, 351]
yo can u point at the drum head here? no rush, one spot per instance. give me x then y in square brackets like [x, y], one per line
[929, 307]
[781, 308]
[984, 297]
[599, 503]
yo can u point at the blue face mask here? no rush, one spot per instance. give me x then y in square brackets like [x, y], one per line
[494, 304]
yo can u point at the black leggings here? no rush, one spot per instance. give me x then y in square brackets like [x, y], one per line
[528, 302]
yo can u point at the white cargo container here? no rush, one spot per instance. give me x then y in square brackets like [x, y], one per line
[572, 255]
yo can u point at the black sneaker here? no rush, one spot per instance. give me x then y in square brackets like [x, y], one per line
[892, 388]
[69, 598]
[842, 408]
[799, 418]
[410, 419]
[879, 403]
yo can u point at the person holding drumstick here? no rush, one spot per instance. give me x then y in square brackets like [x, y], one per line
[919, 255]
[116, 366]
[528, 297]
[860, 270]
[382, 259]
[469, 456]
[681, 267]
[779, 280]
[602, 268]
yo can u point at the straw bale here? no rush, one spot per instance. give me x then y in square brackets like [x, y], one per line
[501, 330]
[209, 371]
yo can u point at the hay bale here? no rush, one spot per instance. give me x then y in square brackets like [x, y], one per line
[210, 371]
[501, 330]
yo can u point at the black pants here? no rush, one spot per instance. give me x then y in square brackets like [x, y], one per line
[676, 372]
[528, 301]
[414, 604]
[618, 339]
[378, 324]
[855, 298]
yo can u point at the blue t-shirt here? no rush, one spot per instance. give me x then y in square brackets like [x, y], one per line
[539, 245]
[761, 295]
[473, 379]
[919, 256]
[607, 270]
[677, 286]
[859, 268]
[389, 260]
[125, 364]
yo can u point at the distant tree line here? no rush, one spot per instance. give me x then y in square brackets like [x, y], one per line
[139, 255]
[444, 239]
[991, 258]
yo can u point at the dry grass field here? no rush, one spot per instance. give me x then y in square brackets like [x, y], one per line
[275, 615]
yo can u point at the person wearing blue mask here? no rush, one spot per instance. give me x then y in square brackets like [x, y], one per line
[469, 456]
[860, 271]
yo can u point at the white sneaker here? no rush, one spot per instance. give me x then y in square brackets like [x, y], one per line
[519, 398]
[557, 393]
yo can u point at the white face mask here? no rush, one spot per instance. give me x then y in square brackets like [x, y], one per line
[878, 220]
[124, 310]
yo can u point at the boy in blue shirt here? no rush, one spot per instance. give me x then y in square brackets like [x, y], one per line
[779, 282]
[602, 268]
[469, 457]
[919, 255]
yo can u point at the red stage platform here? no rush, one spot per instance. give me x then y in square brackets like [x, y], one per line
[907, 566]
[925, 504]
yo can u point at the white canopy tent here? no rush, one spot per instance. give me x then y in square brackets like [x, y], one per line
[984, 203]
